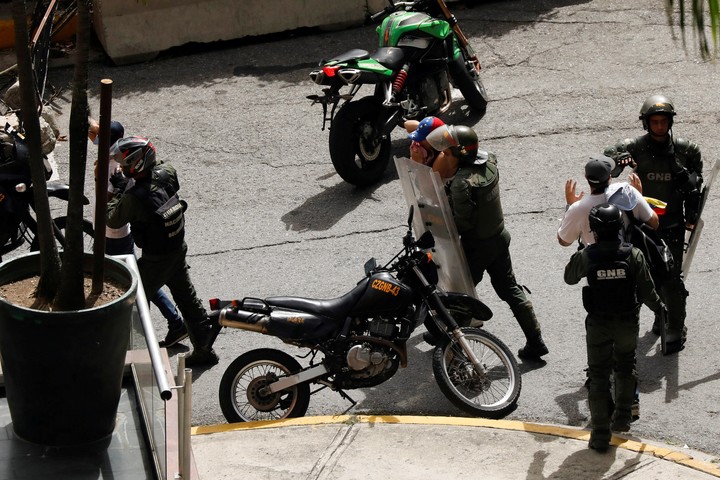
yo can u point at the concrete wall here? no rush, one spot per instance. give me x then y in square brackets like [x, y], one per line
[137, 30]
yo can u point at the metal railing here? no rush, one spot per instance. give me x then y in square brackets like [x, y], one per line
[155, 393]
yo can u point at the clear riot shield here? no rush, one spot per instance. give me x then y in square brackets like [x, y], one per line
[424, 189]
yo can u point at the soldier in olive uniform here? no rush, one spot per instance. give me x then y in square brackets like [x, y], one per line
[618, 280]
[151, 205]
[670, 169]
[475, 200]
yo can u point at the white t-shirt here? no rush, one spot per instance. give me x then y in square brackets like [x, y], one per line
[575, 224]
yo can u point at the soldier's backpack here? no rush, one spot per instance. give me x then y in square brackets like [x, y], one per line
[657, 253]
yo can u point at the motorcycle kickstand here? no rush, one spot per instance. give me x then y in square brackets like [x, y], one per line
[347, 397]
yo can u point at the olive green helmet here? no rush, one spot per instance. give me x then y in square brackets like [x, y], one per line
[461, 140]
[657, 104]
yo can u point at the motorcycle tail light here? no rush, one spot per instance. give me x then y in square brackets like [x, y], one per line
[349, 75]
[214, 304]
[330, 71]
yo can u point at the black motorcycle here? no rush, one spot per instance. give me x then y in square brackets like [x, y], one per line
[422, 51]
[360, 339]
[17, 213]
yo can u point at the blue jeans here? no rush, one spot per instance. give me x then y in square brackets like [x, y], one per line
[168, 310]
[126, 246]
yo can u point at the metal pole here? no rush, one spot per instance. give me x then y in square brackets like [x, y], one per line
[187, 423]
[180, 381]
[149, 330]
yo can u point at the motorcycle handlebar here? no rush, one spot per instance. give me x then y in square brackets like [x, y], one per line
[376, 16]
[393, 7]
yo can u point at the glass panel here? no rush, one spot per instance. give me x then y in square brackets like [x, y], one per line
[148, 394]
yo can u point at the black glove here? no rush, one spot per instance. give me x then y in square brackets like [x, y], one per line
[692, 206]
[119, 182]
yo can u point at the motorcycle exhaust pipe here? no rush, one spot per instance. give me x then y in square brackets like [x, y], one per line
[317, 76]
[349, 75]
[244, 320]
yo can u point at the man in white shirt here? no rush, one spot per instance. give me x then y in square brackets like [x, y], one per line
[626, 196]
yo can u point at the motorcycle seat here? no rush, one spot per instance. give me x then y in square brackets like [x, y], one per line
[354, 54]
[333, 308]
[390, 57]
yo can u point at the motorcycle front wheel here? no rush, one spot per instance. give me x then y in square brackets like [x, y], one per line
[358, 153]
[467, 79]
[494, 392]
[242, 395]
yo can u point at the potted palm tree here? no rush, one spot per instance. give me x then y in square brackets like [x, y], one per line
[63, 355]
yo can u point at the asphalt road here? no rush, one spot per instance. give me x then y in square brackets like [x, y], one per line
[268, 215]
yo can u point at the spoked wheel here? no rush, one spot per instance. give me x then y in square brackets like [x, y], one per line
[61, 222]
[243, 393]
[494, 392]
[467, 80]
[357, 152]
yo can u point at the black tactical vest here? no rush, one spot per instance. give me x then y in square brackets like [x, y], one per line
[165, 231]
[611, 288]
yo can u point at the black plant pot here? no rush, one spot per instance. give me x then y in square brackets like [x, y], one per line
[63, 370]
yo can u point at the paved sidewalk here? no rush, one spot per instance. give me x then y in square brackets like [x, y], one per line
[408, 447]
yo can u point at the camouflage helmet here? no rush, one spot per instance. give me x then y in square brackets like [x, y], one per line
[657, 104]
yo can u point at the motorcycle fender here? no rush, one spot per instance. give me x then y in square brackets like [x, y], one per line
[469, 307]
[62, 191]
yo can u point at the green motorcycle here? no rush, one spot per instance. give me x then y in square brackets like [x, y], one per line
[422, 52]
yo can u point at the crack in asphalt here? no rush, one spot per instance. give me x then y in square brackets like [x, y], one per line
[291, 242]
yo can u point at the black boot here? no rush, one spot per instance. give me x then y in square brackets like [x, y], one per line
[675, 341]
[202, 336]
[600, 439]
[657, 325]
[534, 348]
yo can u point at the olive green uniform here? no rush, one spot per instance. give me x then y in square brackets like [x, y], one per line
[475, 200]
[672, 172]
[611, 326]
[158, 264]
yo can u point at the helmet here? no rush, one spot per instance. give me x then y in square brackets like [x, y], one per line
[134, 154]
[467, 144]
[606, 221]
[657, 104]
[461, 140]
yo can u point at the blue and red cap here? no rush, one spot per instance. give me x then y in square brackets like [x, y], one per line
[426, 125]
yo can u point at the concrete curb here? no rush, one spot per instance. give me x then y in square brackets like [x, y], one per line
[576, 433]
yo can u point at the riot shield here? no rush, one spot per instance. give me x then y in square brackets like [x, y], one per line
[424, 189]
[693, 236]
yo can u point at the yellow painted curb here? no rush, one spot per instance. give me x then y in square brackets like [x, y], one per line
[575, 433]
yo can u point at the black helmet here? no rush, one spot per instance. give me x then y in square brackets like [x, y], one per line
[134, 154]
[467, 144]
[657, 104]
[606, 221]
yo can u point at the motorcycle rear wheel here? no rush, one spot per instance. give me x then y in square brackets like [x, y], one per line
[359, 156]
[241, 396]
[61, 222]
[467, 80]
[493, 394]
